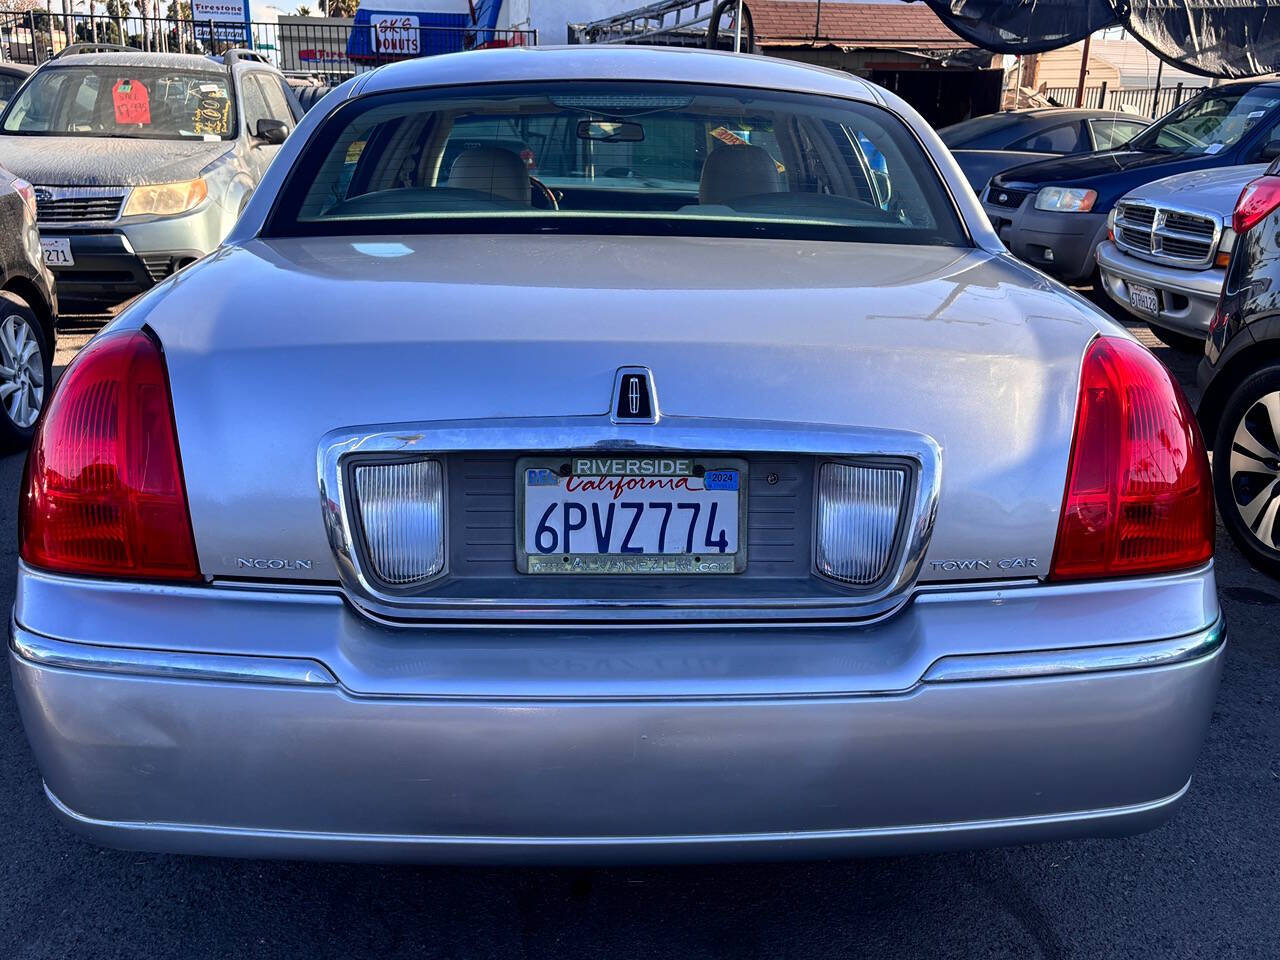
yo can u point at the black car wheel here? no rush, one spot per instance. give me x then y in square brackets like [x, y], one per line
[1178, 341]
[1246, 468]
[26, 371]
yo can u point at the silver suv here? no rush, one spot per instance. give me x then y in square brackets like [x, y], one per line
[141, 162]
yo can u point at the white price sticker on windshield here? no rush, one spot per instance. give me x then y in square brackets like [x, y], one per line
[1213, 148]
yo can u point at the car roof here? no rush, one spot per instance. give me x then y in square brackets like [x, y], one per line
[20, 69]
[609, 62]
[139, 58]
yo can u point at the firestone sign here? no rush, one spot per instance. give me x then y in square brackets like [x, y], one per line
[222, 15]
[224, 11]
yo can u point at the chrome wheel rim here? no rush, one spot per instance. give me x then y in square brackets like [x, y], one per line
[21, 371]
[1255, 469]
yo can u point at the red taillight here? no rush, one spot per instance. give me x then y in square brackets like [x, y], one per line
[28, 194]
[103, 493]
[1257, 200]
[1139, 496]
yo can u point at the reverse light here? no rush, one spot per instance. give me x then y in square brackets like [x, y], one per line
[165, 199]
[401, 508]
[103, 493]
[1066, 199]
[859, 509]
[1139, 498]
[1257, 200]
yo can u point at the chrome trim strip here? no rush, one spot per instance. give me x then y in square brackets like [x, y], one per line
[169, 664]
[599, 433]
[386, 840]
[1052, 663]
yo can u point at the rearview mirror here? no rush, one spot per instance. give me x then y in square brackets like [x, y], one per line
[271, 131]
[610, 131]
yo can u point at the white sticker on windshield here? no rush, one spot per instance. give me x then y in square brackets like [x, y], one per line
[1255, 114]
[1213, 148]
[209, 88]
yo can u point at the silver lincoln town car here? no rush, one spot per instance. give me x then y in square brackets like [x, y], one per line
[620, 454]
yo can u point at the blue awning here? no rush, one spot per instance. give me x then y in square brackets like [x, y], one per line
[437, 33]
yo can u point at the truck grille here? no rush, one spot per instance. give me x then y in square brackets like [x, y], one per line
[1180, 238]
[1006, 197]
[77, 205]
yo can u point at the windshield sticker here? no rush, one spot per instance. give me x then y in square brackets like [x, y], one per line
[213, 115]
[131, 102]
[1213, 148]
[1255, 114]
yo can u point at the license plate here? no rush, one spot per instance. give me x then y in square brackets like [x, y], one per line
[57, 251]
[631, 515]
[1144, 299]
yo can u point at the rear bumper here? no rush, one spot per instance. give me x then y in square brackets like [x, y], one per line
[1187, 297]
[278, 756]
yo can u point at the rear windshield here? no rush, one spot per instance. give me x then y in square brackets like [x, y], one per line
[591, 157]
[122, 101]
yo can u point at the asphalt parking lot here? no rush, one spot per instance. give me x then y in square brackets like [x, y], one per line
[1206, 885]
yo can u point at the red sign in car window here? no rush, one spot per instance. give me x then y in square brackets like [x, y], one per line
[131, 102]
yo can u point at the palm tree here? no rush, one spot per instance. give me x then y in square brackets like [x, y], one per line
[304, 11]
[339, 8]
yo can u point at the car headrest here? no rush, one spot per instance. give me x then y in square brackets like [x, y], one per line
[499, 173]
[738, 171]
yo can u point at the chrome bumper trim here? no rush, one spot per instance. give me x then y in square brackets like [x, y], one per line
[1203, 283]
[1051, 663]
[169, 664]
[670, 434]
[383, 847]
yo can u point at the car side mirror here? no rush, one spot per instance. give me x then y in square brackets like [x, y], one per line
[1270, 151]
[271, 131]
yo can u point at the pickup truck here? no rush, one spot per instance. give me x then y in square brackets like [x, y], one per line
[1167, 249]
[1053, 213]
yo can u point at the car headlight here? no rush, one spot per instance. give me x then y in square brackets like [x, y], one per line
[1066, 199]
[165, 199]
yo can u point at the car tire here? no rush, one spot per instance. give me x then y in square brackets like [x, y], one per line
[1178, 341]
[26, 371]
[1246, 469]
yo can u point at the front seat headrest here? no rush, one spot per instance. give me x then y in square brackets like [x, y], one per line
[738, 171]
[492, 170]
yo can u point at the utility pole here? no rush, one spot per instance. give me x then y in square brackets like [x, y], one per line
[1084, 70]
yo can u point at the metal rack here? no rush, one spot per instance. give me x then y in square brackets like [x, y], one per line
[688, 23]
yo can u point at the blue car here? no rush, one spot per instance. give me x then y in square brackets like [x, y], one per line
[1053, 213]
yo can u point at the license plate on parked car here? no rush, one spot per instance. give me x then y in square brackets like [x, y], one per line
[57, 251]
[625, 515]
[1144, 299]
